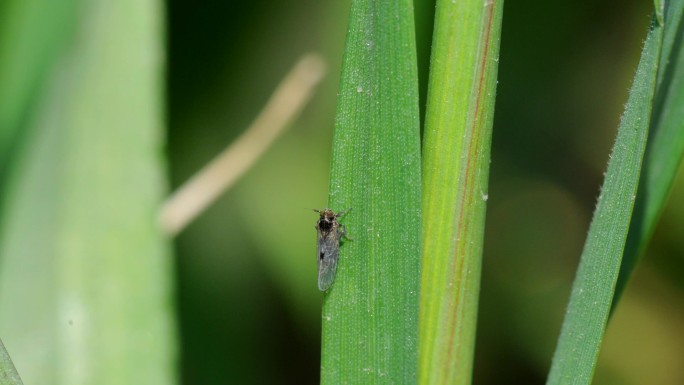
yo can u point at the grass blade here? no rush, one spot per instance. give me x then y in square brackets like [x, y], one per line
[592, 291]
[8, 374]
[456, 150]
[85, 275]
[665, 147]
[370, 315]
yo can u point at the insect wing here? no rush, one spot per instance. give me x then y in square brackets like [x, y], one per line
[328, 253]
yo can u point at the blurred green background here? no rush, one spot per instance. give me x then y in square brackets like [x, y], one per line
[247, 304]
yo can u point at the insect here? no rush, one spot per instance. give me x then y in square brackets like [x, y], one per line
[329, 234]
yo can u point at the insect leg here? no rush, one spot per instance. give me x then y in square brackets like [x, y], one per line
[343, 231]
[342, 213]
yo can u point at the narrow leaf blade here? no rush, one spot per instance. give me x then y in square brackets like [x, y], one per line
[592, 293]
[456, 150]
[665, 148]
[370, 314]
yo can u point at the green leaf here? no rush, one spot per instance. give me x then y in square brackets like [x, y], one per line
[32, 34]
[659, 8]
[86, 271]
[370, 315]
[8, 374]
[457, 141]
[665, 145]
[592, 292]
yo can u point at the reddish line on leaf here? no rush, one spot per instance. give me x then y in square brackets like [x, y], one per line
[474, 141]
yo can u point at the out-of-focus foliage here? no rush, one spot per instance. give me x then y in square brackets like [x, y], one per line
[85, 271]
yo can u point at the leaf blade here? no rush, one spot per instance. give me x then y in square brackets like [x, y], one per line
[456, 150]
[370, 314]
[665, 148]
[592, 292]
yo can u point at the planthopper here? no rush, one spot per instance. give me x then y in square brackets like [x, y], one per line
[330, 231]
